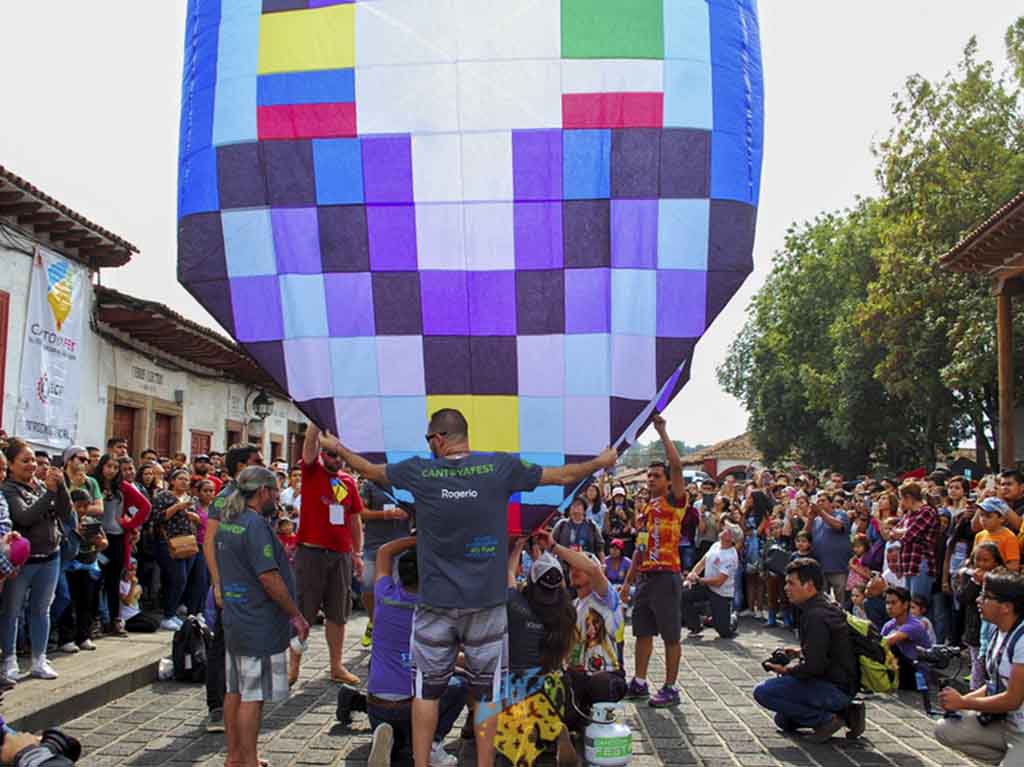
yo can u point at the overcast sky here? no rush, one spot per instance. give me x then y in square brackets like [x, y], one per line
[92, 91]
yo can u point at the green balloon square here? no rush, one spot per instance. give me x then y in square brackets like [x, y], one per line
[613, 29]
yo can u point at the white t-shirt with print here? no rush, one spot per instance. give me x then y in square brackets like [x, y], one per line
[599, 624]
[719, 561]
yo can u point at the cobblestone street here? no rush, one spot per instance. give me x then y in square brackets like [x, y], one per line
[717, 724]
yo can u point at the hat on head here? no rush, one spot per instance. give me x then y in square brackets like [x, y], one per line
[618, 491]
[994, 506]
[69, 452]
[546, 574]
[618, 543]
[201, 457]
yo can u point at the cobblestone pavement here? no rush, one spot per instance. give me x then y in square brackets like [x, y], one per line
[718, 722]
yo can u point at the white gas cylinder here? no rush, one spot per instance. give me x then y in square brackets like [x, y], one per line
[607, 742]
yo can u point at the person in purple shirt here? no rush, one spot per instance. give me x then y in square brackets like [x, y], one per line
[904, 634]
[389, 689]
[616, 565]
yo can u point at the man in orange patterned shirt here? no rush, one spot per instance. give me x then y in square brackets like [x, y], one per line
[655, 569]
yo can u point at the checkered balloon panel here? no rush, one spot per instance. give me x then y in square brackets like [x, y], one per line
[530, 210]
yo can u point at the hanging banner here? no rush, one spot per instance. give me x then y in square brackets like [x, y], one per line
[51, 357]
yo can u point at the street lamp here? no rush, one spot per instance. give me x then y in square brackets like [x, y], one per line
[263, 406]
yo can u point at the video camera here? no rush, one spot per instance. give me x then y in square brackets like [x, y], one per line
[939, 666]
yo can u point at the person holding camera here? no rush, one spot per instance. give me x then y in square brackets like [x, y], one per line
[993, 730]
[817, 691]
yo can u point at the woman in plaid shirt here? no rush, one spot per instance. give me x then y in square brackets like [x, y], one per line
[917, 534]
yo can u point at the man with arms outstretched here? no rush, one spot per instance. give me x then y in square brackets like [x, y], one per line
[462, 546]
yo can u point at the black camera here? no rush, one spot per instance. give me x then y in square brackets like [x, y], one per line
[779, 658]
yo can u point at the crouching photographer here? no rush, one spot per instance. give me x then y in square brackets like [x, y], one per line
[817, 690]
[993, 731]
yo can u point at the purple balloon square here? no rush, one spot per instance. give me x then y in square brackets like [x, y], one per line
[392, 235]
[492, 303]
[538, 235]
[396, 304]
[681, 302]
[537, 164]
[257, 306]
[296, 240]
[349, 304]
[445, 303]
[635, 234]
[387, 169]
[588, 300]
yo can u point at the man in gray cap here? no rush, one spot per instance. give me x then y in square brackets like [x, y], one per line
[260, 613]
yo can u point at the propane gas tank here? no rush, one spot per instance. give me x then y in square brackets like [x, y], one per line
[607, 742]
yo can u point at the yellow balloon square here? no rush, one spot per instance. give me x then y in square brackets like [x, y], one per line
[305, 41]
[493, 420]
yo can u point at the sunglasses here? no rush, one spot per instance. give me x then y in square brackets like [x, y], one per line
[987, 597]
[433, 434]
[332, 454]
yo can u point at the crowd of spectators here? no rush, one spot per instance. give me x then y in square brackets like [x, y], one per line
[110, 546]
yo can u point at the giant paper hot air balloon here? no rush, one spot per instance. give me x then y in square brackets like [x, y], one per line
[529, 209]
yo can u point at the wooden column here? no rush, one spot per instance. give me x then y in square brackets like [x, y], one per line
[1004, 345]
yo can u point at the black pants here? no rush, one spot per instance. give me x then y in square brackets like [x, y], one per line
[399, 716]
[142, 624]
[216, 683]
[112, 574]
[76, 622]
[721, 609]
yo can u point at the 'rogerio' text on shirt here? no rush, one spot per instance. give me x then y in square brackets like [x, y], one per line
[447, 472]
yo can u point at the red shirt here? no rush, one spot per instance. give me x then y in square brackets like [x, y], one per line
[321, 490]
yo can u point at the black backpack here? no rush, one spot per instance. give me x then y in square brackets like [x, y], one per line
[776, 558]
[188, 650]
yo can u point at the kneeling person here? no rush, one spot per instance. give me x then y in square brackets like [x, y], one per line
[817, 691]
[993, 729]
[389, 689]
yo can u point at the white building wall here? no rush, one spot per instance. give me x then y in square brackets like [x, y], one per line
[207, 403]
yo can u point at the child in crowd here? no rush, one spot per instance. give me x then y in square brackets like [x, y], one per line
[984, 559]
[919, 610]
[775, 555]
[859, 572]
[288, 537]
[993, 523]
[857, 596]
[134, 619]
[803, 545]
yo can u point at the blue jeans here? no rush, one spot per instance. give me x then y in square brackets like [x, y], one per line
[737, 595]
[198, 586]
[41, 578]
[801, 702]
[688, 557]
[173, 577]
[61, 597]
[942, 616]
[921, 584]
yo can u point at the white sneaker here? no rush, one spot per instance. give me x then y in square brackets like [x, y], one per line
[170, 624]
[11, 670]
[69, 647]
[87, 644]
[380, 750]
[41, 668]
[441, 758]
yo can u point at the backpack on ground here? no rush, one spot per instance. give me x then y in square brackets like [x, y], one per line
[188, 650]
[879, 671]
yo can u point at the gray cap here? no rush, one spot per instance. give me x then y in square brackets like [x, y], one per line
[70, 452]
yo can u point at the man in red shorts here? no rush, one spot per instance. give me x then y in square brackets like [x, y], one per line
[330, 549]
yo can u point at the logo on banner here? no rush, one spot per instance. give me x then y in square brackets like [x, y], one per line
[60, 288]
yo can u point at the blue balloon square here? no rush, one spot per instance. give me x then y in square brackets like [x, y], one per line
[587, 157]
[541, 423]
[338, 169]
[634, 310]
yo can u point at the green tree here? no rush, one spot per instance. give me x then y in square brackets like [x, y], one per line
[857, 350]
